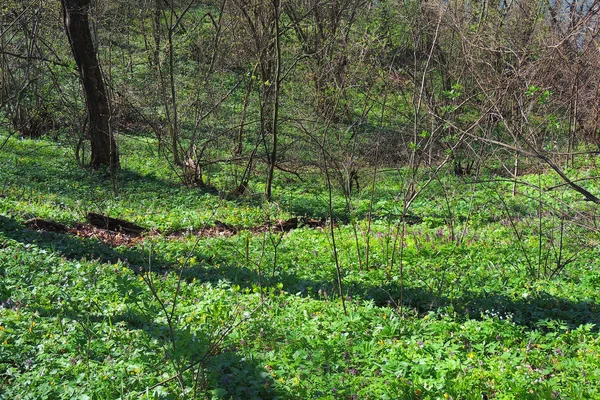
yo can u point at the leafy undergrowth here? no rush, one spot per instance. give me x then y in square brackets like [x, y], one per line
[477, 303]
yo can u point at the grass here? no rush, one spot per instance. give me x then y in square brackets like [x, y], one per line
[468, 311]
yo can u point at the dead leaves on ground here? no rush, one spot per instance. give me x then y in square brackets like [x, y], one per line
[115, 238]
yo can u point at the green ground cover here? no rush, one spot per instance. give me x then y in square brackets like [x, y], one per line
[491, 296]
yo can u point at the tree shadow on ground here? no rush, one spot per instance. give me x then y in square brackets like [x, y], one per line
[71, 183]
[74, 247]
[533, 312]
[210, 368]
[133, 181]
[224, 371]
[319, 208]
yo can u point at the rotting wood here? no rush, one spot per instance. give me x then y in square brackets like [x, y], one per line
[222, 226]
[297, 222]
[117, 232]
[39, 224]
[114, 224]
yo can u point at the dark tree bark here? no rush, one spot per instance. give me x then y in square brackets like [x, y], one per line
[275, 116]
[104, 147]
[114, 224]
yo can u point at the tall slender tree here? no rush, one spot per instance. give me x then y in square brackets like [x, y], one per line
[261, 20]
[103, 145]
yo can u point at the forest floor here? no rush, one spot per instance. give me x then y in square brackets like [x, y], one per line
[483, 293]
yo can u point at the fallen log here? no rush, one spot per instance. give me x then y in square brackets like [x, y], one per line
[314, 223]
[295, 222]
[114, 224]
[287, 225]
[39, 224]
[222, 226]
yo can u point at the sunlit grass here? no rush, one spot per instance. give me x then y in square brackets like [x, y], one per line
[463, 309]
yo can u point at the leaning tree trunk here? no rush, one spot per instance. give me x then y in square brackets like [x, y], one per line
[104, 147]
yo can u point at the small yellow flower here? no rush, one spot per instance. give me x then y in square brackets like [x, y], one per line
[471, 355]
[280, 380]
[1, 328]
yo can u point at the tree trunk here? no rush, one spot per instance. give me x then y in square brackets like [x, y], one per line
[275, 116]
[104, 147]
